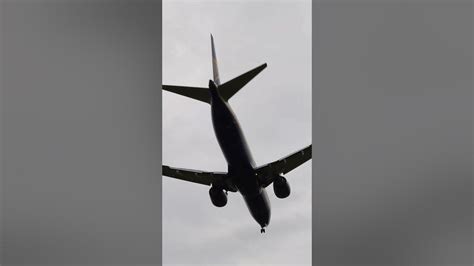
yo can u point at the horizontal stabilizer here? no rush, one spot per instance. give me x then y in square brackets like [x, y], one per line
[200, 94]
[231, 87]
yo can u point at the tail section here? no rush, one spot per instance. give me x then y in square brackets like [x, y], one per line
[226, 90]
[230, 88]
[215, 68]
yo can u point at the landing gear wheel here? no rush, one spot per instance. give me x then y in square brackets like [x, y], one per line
[262, 230]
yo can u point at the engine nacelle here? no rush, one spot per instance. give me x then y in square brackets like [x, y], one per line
[281, 187]
[218, 196]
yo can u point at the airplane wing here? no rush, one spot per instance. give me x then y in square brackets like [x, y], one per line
[269, 171]
[199, 177]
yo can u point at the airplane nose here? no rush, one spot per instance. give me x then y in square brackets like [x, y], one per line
[259, 207]
[264, 218]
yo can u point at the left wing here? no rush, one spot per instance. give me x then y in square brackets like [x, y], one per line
[200, 177]
[269, 171]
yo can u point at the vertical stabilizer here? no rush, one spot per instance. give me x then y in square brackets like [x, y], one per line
[215, 69]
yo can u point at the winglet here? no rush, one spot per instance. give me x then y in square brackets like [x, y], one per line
[215, 69]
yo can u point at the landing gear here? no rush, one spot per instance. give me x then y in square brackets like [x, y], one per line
[262, 230]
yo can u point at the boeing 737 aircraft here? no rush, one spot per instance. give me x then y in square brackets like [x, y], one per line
[243, 175]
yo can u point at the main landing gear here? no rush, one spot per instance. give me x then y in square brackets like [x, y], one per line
[262, 230]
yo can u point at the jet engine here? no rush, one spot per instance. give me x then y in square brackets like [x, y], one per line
[218, 196]
[281, 187]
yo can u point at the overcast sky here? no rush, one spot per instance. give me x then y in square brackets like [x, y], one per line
[392, 131]
[274, 110]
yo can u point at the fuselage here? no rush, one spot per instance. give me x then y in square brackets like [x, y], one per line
[239, 159]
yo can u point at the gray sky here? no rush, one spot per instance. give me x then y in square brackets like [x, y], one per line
[80, 120]
[274, 110]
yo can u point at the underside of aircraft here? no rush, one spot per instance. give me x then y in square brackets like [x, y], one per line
[243, 175]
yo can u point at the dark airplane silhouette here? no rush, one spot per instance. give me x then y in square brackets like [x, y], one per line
[243, 175]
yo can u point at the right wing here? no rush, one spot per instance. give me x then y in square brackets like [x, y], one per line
[269, 171]
[200, 177]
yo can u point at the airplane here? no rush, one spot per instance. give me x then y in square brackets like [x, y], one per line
[243, 175]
